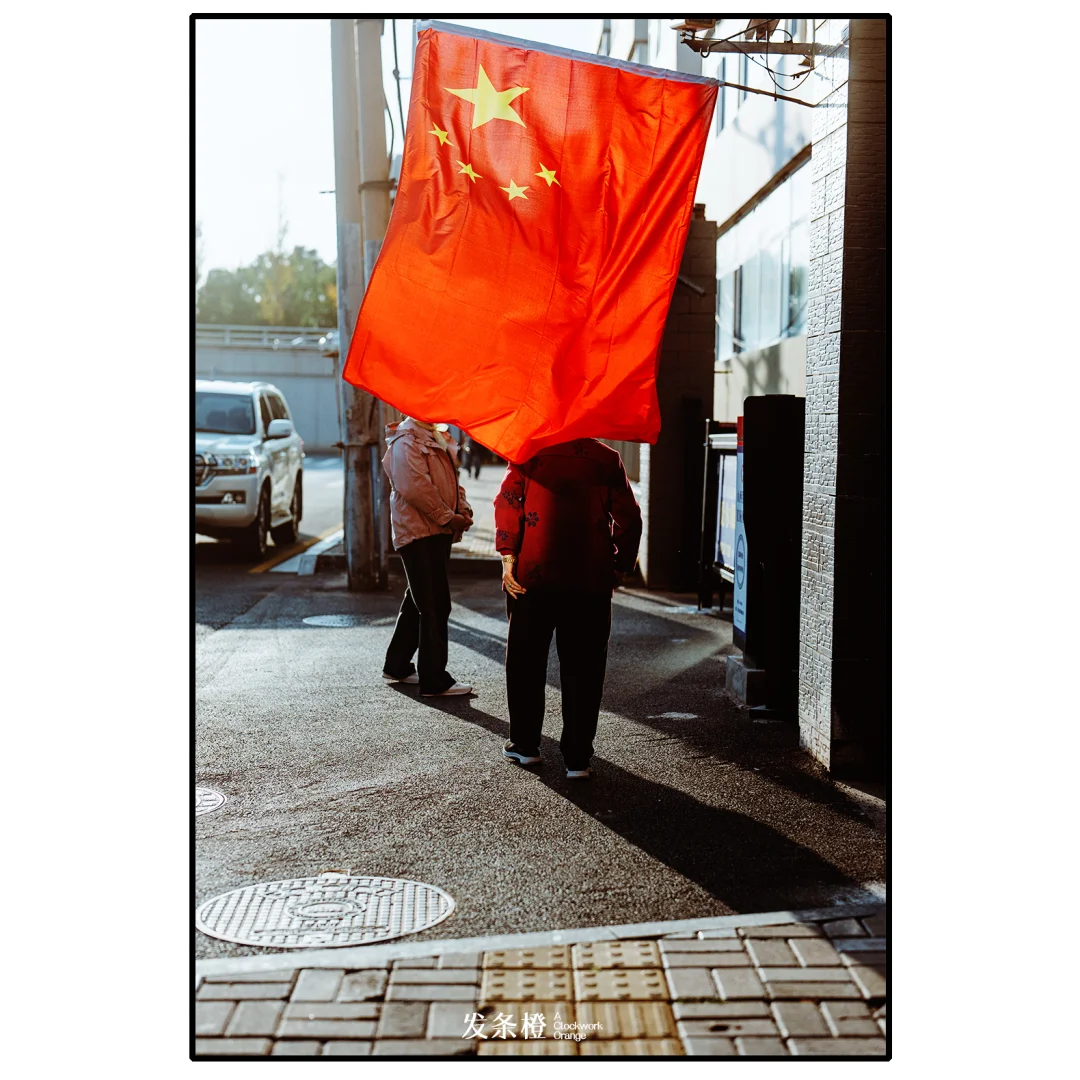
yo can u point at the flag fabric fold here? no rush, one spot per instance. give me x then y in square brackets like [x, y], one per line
[540, 219]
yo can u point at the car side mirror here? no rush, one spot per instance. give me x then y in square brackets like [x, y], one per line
[280, 429]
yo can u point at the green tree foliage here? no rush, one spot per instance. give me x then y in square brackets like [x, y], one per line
[278, 289]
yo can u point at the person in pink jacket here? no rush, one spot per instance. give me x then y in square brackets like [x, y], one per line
[428, 513]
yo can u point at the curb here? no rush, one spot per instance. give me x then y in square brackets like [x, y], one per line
[361, 956]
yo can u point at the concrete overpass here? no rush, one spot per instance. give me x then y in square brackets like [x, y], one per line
[293, 358]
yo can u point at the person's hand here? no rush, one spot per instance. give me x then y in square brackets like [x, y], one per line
[460, 523]
[509, 582]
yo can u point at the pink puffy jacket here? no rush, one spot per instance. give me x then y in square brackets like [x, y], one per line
[425, 493]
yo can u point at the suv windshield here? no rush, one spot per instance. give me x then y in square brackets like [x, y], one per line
[229, 414]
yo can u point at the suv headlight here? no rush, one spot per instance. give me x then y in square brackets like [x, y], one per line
[233, 464]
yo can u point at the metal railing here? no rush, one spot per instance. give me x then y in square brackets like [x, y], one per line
[305, 338]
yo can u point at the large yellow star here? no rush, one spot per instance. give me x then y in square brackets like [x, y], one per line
[515, 192]
[468, 171]
[442, 136]
[489, 103]
[548, 175]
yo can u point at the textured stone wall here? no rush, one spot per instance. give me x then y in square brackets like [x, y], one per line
[842, 681]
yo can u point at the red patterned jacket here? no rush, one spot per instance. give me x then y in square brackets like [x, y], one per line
[570, 516]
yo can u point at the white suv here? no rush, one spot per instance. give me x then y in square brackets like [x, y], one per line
[248, 464]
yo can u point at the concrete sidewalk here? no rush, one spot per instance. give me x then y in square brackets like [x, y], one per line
[808, 983]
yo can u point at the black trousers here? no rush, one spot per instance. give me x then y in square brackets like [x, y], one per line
[581, 623]
[423, 615]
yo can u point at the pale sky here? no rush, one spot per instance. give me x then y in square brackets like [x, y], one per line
[264, 110]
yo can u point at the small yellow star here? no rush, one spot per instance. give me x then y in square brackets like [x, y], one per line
[442, 136]
[548, 175]
[489, 103]
[468, 171]
[514, 191]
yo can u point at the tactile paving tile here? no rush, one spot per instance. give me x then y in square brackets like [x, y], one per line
[617, 954]
[628, 1019]
[547, 956]
[525, 985]
[644, 984]
[631, 1047]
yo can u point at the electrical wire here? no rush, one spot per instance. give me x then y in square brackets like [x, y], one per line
[390, 116]
[397, 80]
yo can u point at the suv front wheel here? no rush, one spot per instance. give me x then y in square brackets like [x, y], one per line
[287, 534]
[253, 538]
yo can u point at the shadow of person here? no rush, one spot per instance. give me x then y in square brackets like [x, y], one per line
[744, 863]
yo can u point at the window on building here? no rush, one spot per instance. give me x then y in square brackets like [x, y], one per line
[744, 76]
[721, 97]
[725, 316]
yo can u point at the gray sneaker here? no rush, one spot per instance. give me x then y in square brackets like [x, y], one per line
[578, 774]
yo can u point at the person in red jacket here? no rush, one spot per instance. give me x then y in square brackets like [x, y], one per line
[568, 527]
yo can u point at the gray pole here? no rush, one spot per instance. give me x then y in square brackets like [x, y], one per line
[375, 215]
[360, 409]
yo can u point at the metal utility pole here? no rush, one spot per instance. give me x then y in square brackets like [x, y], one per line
[375, 215]
[360, 419]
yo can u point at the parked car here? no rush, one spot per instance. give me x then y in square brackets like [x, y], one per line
[248, 464]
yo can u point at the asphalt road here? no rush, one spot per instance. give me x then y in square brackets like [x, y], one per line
[694, 810]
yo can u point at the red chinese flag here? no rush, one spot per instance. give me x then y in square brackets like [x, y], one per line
[540, 219]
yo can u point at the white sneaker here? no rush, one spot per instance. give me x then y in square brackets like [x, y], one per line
[412, 679]
[578, 774]
[457, 688]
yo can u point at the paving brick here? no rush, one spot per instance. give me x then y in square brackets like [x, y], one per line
[815, 1047]
[282, 975]
[528, 1048]
[738, 983]
[785, 930]
[856, 945]
[435, 977]
[402, 1020]
[363, 985]
[333, 1010]
[461, 960]
[450, 1019]
[799, 1018]
[801, 974]
[849, 1018]
[297, 1048]
[210, 1017]
[706, 959]
[630, 1048]
[871, 980]
[815, 952]
[787, 991]
[719, 1010]
[763, 1047]
[628, 1019]
[728, 1029]
[708, 945]
[643, 984]
[875, 924]
[695, 982]
[233, 1047]
[844, 928]
[243, 991]
[416, 962]
[326, 1029]
[424, 1047]
[255, 1018]
[348, 1048]
[431, 992]
[773, 952]
[616, 954]
[317, 984]
[549, 956]
[867, 959]
[526, 985]
[709, 1047]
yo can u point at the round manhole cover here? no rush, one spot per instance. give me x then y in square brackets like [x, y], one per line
[207, 800]
[334, 620]
[323, 911]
